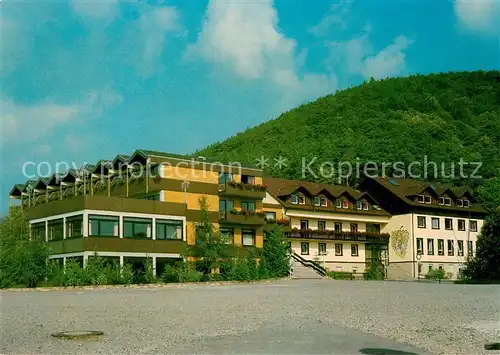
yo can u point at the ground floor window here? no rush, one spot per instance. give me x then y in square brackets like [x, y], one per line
[106, 226]
[304, 248]
[339, 249]
[469, 248]
[56, 229]
[38, 231]
[321, 248]
[420, 246]
[354, 250]
[460, 248]
[137, 227]
[451, 249]
[248, 237]
[74, 227]
[227, 235]
[169, 229]
[440, 246]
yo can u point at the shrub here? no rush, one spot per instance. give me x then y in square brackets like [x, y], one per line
[127, 274]
[374, 272]
[340, 275]
[435, 274]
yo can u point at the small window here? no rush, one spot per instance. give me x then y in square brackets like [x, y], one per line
[461, 224]
[270, 216]
[226, 205]
[428, 199]
[55, 230]
[365, 205]
[460, 248]
[430, 246]
[460, 202]
[373, 228]
[302, 200]
[473, 226]
[323, 201]
[294, 199]
[451, 248]
[440, 246]
[421, 198]
[322, 248]
[354, 250]
[470, 249]
[316, 201]
[248, 206]
[304, 248]
[430, 268]
[338, 227]
[345, 204]
[435, 223]
[420, 246]
[448, 223]
[466, 203]
[304, 224]
[421, 222]
[359, 205]
[155, 197]
[248, 179]
[441, 201]
[38, 231]
[248, 237]
[447, 201]
[227, 235]
[225, 177]
[339, 249]
[74, 227]
[338, 203]
[321, 225]
[354, 227]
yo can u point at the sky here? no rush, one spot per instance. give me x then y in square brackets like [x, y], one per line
[84, 80]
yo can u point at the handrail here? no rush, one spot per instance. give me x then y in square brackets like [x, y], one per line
[310, 263]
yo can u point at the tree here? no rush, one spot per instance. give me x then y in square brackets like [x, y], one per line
[23, 261]
[484, 266]
[488, 194]
[275, 257]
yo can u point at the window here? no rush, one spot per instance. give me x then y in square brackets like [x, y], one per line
[440, 200]
[460, 202]
[338, 227]
[430, 268]
[466, 203]
[322, 248]
[365, 205]
[323, 201]
[339, 249]
[473, 226]
[227, 235]
[316, 201]
[302, 199]
[461, 224]
[225, 177]
[338, 203]
[435, 223]
[105, 226]
[430, 246]
[169, 229]
[345, 204]
[304, 224]
[271, 216]
[225, 206]
[74, 227]
[440, 246]
[248, 237]
[470, 250]
[427, 199]
[248, 179]
[447, 201]
[354, 250]
[38, 231]
[321, 225]
[304, 248]
[448, 223]
[421, 222]
[421, 198]
[460, 248]
[294, 199]
[56, 229]
[372, 228]
[420, 246]
[248, 206]
[137, 227]
[354, 227]
[359, 205]
[451, 248]
[155, 197]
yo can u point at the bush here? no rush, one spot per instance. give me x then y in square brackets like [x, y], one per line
[340, 275]
[184, 272]
[374, 272]
[435, 274]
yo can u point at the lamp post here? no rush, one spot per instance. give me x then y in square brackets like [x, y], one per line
[418, 256]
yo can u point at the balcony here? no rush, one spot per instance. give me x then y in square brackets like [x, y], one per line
[237, 217]
[336, 235]
[104, 203]
[235, 189]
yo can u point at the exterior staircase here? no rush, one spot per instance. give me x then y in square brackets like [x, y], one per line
[301, 268]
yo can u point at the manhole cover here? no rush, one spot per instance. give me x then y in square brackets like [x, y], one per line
[78, 334]
[492, 346]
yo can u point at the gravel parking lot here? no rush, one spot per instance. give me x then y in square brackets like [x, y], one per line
[288, 316]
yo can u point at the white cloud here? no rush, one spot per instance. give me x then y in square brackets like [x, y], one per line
[335, 17]
[479, 15]
[244, 35]
[103, 10]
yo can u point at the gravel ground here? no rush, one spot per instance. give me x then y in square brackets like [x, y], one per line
[442, 319]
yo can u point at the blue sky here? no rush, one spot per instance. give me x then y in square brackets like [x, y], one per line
[84, 80]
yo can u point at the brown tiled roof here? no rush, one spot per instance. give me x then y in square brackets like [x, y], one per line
[405, 188]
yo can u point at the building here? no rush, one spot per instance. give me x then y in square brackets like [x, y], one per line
[337, 226]
[142, 206]
[432, 225]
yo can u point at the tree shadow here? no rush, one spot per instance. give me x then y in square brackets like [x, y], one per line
[382, 351]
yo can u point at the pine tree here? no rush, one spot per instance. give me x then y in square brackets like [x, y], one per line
[275, 258]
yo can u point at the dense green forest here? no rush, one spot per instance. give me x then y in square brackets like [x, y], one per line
[446, 117]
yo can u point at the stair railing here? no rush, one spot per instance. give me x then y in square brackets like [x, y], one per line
[309, 263]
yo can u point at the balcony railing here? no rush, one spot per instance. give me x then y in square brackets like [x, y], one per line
[238, 217]
[338, 235]
[257, 192]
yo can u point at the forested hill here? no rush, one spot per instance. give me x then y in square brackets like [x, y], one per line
[444, 116]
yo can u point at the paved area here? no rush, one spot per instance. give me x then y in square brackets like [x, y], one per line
[284, 317]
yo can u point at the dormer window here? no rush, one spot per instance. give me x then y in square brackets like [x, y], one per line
[316, 201]
[365, 205]
[440, 200]
[320, 201]
[294, 199]
[460, 202]
[359, 205]
[466, 203]
[427, 199]
[447, 201]
[421, 198]
[323, 201]
[338, 203]
[345, 204]
[302, 200]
